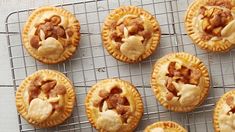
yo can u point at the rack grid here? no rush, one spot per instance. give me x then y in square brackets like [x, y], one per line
[92, 63]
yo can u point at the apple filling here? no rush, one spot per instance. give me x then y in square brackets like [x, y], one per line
[182, 84]
[45, 98]
[216, 21]
[113, 107]
[50, 38]
[131, 35]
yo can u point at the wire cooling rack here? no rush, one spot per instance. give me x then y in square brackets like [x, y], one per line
[92, 63]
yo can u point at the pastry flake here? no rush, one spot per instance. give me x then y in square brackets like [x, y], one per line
[132, 47]
[109, 118]
[180, 81]
[224, 113]
[114, 105]
[210, 24]
[39, 110]
[130, 34]
[51, 34]
[45, 98]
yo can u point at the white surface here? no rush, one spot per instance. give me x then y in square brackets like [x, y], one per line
[8, 114]
[95, 69]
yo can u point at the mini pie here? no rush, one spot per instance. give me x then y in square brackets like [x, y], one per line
[45, 98]
[130, 34]
[180, 81]
[211, 24]
[224, 113]
[165, 126]
[51, 34]
[114, 105]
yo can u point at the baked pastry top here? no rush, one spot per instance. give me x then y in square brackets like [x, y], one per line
[51, 34]
[45, 98]
[130, 34]
[211, 24]
[224, 114]
[114, 105]
[180, 81]
[165, 126]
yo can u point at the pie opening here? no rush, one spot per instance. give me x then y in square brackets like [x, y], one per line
[131, 34]
[215, 21]
[182, 83]
[45, 97]
[50, 38]
[114, 101]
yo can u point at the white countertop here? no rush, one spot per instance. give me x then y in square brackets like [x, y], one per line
[8, 114]
[174, 38]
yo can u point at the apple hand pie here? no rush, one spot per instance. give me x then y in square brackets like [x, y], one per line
[211, 24]
[45, 98]
[130, 34]
[180, 81]
[113, 105]
[51, 34]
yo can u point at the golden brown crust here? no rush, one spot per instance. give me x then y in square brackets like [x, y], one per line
[218, 107]
[71, 21]
[166, 125]
[22, 105]
[187, 60]
[116, 15]
[128, 90]
[195, 34]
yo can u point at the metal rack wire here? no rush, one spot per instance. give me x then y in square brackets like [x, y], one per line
[92, 63]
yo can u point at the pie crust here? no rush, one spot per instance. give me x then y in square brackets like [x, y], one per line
[130, 34]
[211, 24]
[224, 113]
[51, 34]
[162, 126]
[45, 99]
[180, 81]
[114, 105]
